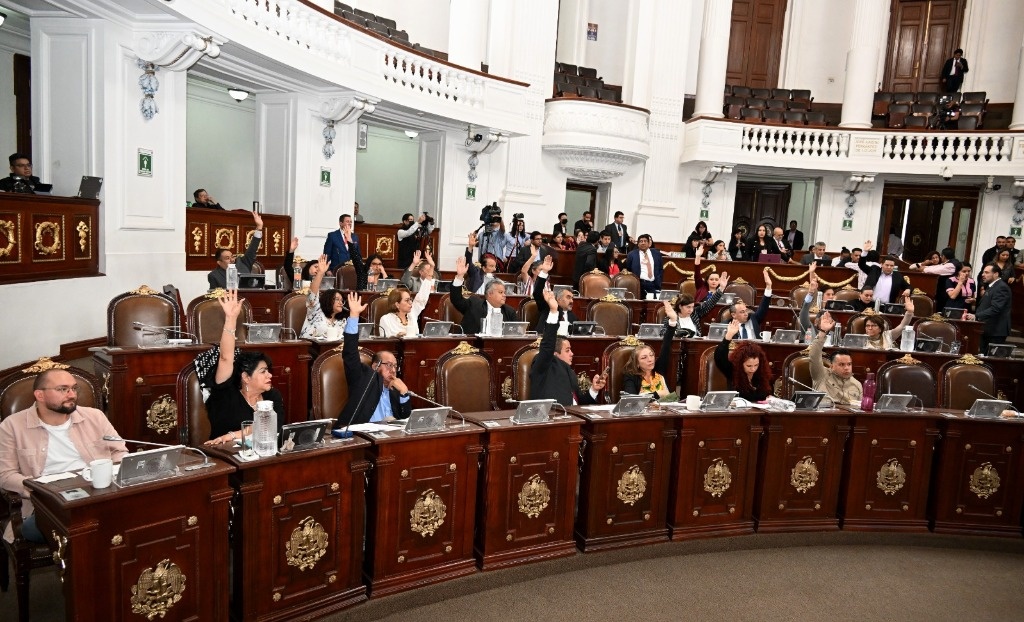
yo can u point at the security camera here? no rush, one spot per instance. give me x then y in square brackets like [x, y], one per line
[997, 187]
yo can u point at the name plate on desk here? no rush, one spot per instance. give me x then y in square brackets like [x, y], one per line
[427, 420]
[532, 411]
[149, 465]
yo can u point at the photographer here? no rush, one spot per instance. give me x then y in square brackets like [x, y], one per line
[493, 239]
[409, 236]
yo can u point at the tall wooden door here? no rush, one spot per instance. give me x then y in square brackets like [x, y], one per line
[755, 43]
[928, 218]
[922, 35]
[757, 203]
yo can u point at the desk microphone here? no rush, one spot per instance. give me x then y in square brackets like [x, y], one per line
[565, 413]
[920, 410]
[346, 433]
[192, 467]
[430, 401]
[141, 326]
[826, 396]
[455, 325]
[989, 395]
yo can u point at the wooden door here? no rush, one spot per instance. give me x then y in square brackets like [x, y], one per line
[922, 35]
[933, 217]
[755, 43]
[757, 203]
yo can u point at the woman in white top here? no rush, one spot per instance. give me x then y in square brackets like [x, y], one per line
[403, 321]
[322, 312]
[881, 339]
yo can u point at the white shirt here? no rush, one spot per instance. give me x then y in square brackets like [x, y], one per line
[643, 267]
[61, 455]
[883, 288]
[483, 284]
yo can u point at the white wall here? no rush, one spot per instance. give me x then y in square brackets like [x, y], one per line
[221, 146]
[608, 53]
[426, 21]
[991, 40]
[387, 173]
[8, 120]
[817, 39]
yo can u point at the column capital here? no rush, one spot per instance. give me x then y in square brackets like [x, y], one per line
[175, 50]
[347, 109]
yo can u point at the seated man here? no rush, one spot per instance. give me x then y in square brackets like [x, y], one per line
[750, 325]
[564, 299]
[817, 255]
[837, 381]
[419, 272]
[202, 198]
[646, 263]
[54, 435]
[21, 180]
[551, 374]
[375, 392]
[476, 310]
[218, 277]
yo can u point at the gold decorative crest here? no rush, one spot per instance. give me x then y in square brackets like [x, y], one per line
[985, 481]
[583, 380]
[157, 590]
[431, 390]
[631, 341]
[609, 298]
[908, 360]
[8, 229]
[307, 544]
[891, 477]
[718, 478]
[506, 388]
[44, 228]
[144, 290]
[83, 234]
[740, 280]
[385, 247]
[218, 292]
[969, 359]
[228, 234]
[197, 238]
[804, 475]
[428, 514]
[44, 363]
[162, 415]
[464, 348]
[937, 317]
[60, 553]
[534, 496]
[632, 485]
[277, 243]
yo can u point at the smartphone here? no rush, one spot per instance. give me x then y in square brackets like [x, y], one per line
[255, 206]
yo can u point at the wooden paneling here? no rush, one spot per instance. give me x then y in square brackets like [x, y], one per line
[922, 35]
[45, 237]
[755, 42]
[206, 230]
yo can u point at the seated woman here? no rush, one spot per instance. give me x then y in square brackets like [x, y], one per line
[419, 271]
[881, 339]
[704, 287]
[309, 268]
[701, 231]
[961, 290]
[558, 241]
[239, 382]
[323, 310]
[719, 252]
[644, 373]
[745, 368]
[374, 271]
[690, 313]
[760, 244]
[404, 319]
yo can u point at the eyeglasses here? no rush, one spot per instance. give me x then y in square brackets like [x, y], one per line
[63, 390]
[376, 263]
[391, 366]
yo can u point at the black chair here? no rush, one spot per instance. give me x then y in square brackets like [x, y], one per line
[784, 94]
[794, 117]
[815, 118]
[928, 98]
[775, 117]
[756, 103]
[609, 95]
[777, 104]
[587, 91]
[750, 114]
[741, 91]
[587, 72]
[881, 103]
[761, 93]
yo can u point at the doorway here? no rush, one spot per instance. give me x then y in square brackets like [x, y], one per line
[922, 35]
[580, 199]
[928, 218]
[758, 203]
[755, 43]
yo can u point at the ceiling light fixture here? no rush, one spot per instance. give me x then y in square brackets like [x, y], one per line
[411, 133]
[238, 94]
[3, 16]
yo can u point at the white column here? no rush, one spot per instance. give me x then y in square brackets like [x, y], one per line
[870, 28]
[467, 31]
[714, 58]
[572, 31]
[1017, 120]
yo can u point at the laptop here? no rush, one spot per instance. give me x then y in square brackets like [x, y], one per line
[769, 258]
[838, 305]
[149, 465]
[386, 284]
[532, 411]
[853, 340]
[437, 329]
[651, 331]
[365, 330]
[807, 400]
[443, 287]
[923, 344]
[717, 401]
[989, 409]
[630, 405]
[951, 313]
[327, 283]
[252, 281]
[667, 294]
[558, 289]
[895, 308]
[893, 402]
[786, 336]
[582, 329]
[717, 331]
[514, 329]
[427, 420]
[89, 188]
[618, 292]
[304, 435]
[262, 333]
[1002, 350]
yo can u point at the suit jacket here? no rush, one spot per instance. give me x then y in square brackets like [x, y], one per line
[952, 83]
[994, 309]
[551, 377]
[783, 248]
[337, 251]
[474, 274]
[622, 242]
[524, 255]
[362, 378]
[583, 226]
[798, 240]
[758, 316]
[474, 309]
[634, 265]
[899, 284]
[560, 228]
[586, 260]
[542, 306]
[218, 277]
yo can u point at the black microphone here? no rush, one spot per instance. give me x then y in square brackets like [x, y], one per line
[194, 467]
[920, 410]
[430, 401]
[989, 395]
[346, 433]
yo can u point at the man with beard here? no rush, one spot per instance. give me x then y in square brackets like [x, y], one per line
[54, 435]
[409, 236]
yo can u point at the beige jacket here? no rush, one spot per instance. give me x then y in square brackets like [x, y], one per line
[841, 391]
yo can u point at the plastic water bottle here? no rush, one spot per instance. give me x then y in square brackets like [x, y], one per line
[297, 278]
[867, 398]
[907, 340]
[494, 329]
[808, 336]
[232, 279]
[264, 429]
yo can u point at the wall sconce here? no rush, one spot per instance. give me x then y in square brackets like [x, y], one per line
[483, 143]
[708, 177]
[852, 187]
[238, 94]
[3, 16]
[411, 133]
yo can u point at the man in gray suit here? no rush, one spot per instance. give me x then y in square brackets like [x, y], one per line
[994, 308]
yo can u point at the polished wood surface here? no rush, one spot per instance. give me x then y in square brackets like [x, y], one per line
[206, 230]
[44, 237]
[111, 539]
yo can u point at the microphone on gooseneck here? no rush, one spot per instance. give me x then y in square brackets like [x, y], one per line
[346, 433]
[986, 394]
[193, 467]
[430, 401]
[810, 388]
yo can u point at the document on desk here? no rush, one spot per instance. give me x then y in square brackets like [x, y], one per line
[55, 477]
[375, 427]
[599, 408]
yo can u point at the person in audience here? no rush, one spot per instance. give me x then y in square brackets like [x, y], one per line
[518, 239]
[865, 300]
[844, 257]
[586, 257]
[990, 254]
[961, 289]
[1004, 263]
[645, 262]
[887, 284]
[616, 260]
[690, 313]
[564, 298]
[529, 274]
[534, 251]
[413, 230]
[993, 308]
[218, 277]
[817, 255]
[495, 242]
[738, 246]
[475, 310]
[53, 435]
[551, 373]
[403, 320]
[324, 309]
[870, 260]
[719, 252]
[585, 223]
[953, 70]
[375, 392]
[201, 198]
[745, 368]
[561, 226]
[619, 232]
[309, 269]
[895, 244]
[581, 237]
[692, 246]
[703, 287]
[942, 264]
[240, 381]
[881, 339]
[700, 231]
[356, 216]
[750, 325]
[760, 244]
[478, 275]
[375, 271]
[1011, 243]
[21, 180]
[342, 245]
[570, 242]
[782, 247]
[837, 380]
[645, 372]
[420, 274]
[605, 252]
[558, 242]
[794, 236]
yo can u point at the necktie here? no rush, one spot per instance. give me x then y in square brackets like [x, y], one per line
[743, 331]
[619, 229]
[647, 266]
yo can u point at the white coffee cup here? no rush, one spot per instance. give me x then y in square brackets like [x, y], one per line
[766, 335]
[693, 402]
[333, 333]
[650, 295]
[101, 472]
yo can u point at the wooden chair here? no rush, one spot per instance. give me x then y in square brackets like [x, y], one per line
[955, 380]
[897, 115]
[206, 319]
[710, 378]
[924, 306]
[794, 117]
[448, 311]
[628, 280]
[193, 419]
[528, 312]
[378, 308]
[613, 316]
[916, 378]
[16, 388]
[938, 329]
[855, 324]
[761, 93]
[803, 96]
[465, 379]
[144, 305]
[330, 388]
[881, 103]
[733, 105]
[615, 357]
[783, 94]
[595, 284]
[256, 268]
[291, 309]
[346, 277]
[522, 360]
[743, 290]
[848, 294]
[774, 117]
[750, 115]
[797, 365]
[689, 286]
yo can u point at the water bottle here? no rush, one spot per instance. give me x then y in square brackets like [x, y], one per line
[878, 305]
[297, 278]
[808, 336]
[867, 398]
[232, 280]
[907, 340]
[264, 429]
[494, 330]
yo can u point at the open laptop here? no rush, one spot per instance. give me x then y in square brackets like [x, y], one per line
[807, 400]
[924, 344]
[618, 292]
[89, 188]
[1002, 350]
[951, 313]
[426, 420]
[727, 298]
[838, 305]
[716, 332]
[895, 308]
[149, 465]
[532, 411]
[514, 329]
[893, 402]
[304, 435]
[629, 405]
[667, 294]
[989, 409]
[651, 331]
[262, 333]
[252, 281]
[443, 287]
[717, 401]
[384, 285]
[437, 329]
[786, 336]
[582, 329]
[365, 330]
[854, 340]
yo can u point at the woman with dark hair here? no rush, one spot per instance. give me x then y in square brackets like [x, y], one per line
[518, 238]
[875, 328]
[646, 374]
[690, 313]
[404, 319]
[374, 270]
[745, 368]
[961, 289]
[703, 287]
[760, 244]
[558, 241]
[239, 381]
[701, 231]
[693, 246]
[719, 252]
[737, 245]
[323, 310]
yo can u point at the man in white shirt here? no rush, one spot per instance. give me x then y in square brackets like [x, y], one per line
[645, 262]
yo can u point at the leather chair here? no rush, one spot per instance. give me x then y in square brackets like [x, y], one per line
[803, 96]
[743, 291]
[881, 103]
[144, 305]
[956, 376]
[724, 315]
[848, 295]
[330, 388]
[688, 287]
[461, 375]
[528, 312]
[195, 429]
[378, 308]
[257, 268]
[938, 329]
[897, 115]
[816, 118]
[900, 377]
[346, 277]
[923, 305]
[798, 366]
[448, 311]
[628, 280]
[798, 295]
[16, 387]
[521, 362]
[710, 378]
[291, 309]
[206, 319]
[616, 356]
[614, 317]
[794, 117]
[594, 284]
[774, 117]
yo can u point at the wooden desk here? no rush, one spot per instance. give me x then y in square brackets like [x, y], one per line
[110, 544]
[206, 230]
[527, 492]
[623, 498]
[265, 302]
[422, 503]
[44, 237]
[297, 542]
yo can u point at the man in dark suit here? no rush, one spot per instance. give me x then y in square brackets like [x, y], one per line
[794, 237]
[887, 284]
[202, 198]
[534, 251]
[645, 262]
[561, 226]
[342, 244]
[564, 298]
[586, 257]
[218, 277]
[478, 275]
[375, 392]
[782, 246]
[584, 224]
[994, 308]
[750, 325]
[619, 232]
[475, 309]
[551, 374]
[953, 71]
[21, 180]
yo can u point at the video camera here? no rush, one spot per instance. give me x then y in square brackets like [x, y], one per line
[490, 214]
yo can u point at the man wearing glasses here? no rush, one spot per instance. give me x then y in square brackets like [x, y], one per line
[54, 435]
[218, 277]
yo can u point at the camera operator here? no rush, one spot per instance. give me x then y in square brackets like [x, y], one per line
[493, 240]
[413, 230]
[519, 236]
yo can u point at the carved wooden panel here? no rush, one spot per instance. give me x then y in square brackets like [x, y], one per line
[922, 35]
[207, 230]
[47, 237]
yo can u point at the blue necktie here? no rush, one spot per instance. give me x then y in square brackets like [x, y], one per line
[743, 329]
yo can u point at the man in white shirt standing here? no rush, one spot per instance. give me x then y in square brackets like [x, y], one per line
[645, 262]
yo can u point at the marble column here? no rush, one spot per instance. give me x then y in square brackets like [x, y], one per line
[714, 58]
[1017, 120]
[870, 29]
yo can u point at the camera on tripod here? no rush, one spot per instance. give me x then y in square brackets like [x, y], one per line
[490, 214]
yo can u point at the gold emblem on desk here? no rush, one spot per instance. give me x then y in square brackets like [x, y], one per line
[534, 496]
[464, 348]
[48, 230]
[632, 485]
[162, 415]
[631, 341]
[891, 477]
[9, 231]
[307, 544]
[44, 363]
[60, 553]
[804, 475]
[157, 590]
[83, 235]
[985, 481]
[718, 478]
[428, 514]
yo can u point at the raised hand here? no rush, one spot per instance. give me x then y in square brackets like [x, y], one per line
[355, 305]
[598, 382]
[699, 250]
[256, 218]
[825, 322]
[867, 245]
[322, 264]
[294, 245]
[461, 267]
[416, 258]
[732, 329]
[549, 297]
[767, 279]
[549, 263]
[909, 306]
[723, 280]
[813, 289]
[471, 242]
[231, 305]
[670, 311]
